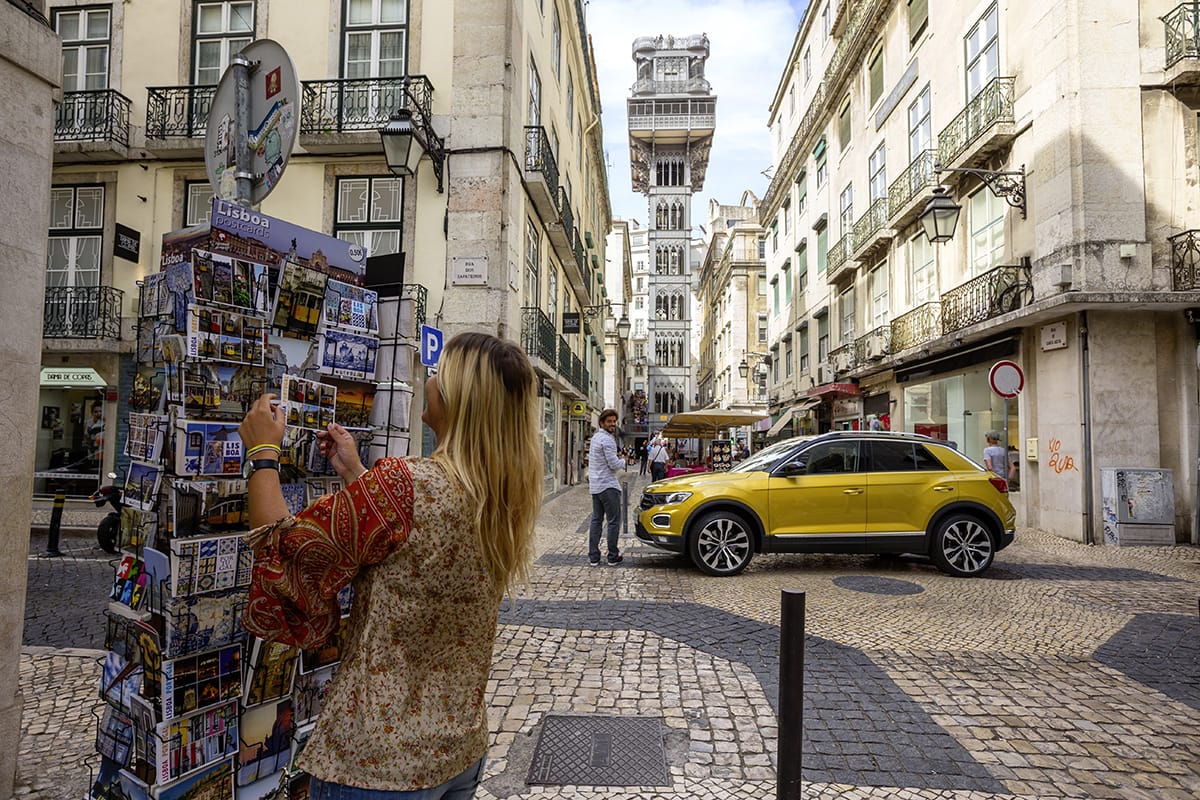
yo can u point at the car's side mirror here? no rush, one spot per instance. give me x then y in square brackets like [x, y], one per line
[791, 470]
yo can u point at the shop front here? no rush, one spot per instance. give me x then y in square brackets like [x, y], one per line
[839, 407]
[71, 432]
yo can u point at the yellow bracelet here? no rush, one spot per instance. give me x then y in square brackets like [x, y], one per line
[259, 448]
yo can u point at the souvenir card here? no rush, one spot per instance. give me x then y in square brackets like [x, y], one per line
[299, 300]
[218, 335]
[210, 565]
[141, 485]
[150, 335]
[354, 402]
[299, 740]
[145, 729]
[207, 448]
[145, 439]
[119, 680]
[216, 391]
[204, 508]
[154, 297]
[266, 735]
[114, 736]
[136, 528]
[347, 355]
[214, 782]
[270, 673]
[296, 496]
[352, 307]
[113, 782]
[130, 582]
[196, 682]
[188, 743]
[230, 281]
[345, 598]
[273, 240]
[199, 622]
[146, 395]
[182, 287]
[149, 655]
[310, 693]
[268, 788]
[327, 654]
[307, 404]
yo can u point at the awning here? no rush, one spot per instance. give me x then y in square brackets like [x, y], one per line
[784, 419]
[812, 402]
[72, 378]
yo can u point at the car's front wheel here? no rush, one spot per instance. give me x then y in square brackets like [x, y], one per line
[721, 544]
[962, 546]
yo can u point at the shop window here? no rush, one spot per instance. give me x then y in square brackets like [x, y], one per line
[369, 212]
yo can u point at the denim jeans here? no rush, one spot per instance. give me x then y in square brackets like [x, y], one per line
[460, 787]
[605, 504]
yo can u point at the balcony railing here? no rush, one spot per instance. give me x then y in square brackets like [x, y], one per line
[922, 324]
[568, 216]
[82, 312]
[540, 158]
[991, 294]
[873, 345]
[918, 177]
[564, 359]
[870, 223]
[100, 115]
[1182, 28]
[577, 374]
[363, 104]
[843, 357]
[839, 254]
[537, 335]
[174, 112]
[1185, 261]
[687, 86]
[993, 104]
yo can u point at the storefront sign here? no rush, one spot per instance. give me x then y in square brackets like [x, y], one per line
[469, 271]
[579, 409]
[127, 244]
[69, 377]
[570, 322]
[833, 388]
[1054, 336]
[847, 407]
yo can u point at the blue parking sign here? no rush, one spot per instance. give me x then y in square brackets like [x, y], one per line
[431, 345]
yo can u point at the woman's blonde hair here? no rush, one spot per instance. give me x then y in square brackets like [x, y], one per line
[492, 444]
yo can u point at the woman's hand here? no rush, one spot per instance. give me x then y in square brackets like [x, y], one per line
[338, 445]
[264, 424]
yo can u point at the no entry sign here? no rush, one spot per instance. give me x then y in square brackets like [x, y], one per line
[1006, 379]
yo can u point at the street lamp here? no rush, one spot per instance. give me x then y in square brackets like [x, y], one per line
[407, 138]
[941, 212]
[623, 325]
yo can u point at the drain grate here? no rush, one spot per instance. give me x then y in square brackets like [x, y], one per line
[599, 751]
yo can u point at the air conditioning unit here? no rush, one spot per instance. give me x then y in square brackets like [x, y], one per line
[876, 348]
[825, 373]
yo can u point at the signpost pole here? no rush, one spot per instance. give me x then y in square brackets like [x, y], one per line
[241, 76]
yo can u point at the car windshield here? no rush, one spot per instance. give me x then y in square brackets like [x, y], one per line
[766, 459]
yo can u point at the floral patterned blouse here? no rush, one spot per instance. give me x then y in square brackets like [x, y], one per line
[406, 708]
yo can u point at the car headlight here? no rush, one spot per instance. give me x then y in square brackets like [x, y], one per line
[676, 497]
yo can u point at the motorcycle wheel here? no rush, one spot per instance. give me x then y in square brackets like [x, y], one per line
[107, 532]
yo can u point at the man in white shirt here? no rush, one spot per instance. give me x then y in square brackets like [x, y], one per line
[603, 463]
[659, 456]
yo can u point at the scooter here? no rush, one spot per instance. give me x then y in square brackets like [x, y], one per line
[109, 530]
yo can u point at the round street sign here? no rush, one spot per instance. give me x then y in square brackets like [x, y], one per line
[274, 107]
[1006, 378]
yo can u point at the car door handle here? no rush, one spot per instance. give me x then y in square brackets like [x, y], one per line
[943, 488]
[855, 490]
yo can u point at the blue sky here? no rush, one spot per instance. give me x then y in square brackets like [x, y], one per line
[749, 41]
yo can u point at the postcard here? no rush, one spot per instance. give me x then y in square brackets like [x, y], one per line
[266, 737]
[154, 297]
[200, 681]
[199, 622]
[214, 782]
[270, 673]
[311, 690]
[114, 736]
[189, 743]
[347, 355]
[207, 448]
[307, 404]
[120, 680]
[352, 307]
[299, 300]
[219, 335]
[327, 654]
[150, 334]
[296, 496]
[141, 485]
[215, 391]
[354, 402]
[210, 565]
[181, 285]
[145, 439]
[229, 281]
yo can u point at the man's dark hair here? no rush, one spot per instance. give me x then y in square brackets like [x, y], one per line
[606, 413]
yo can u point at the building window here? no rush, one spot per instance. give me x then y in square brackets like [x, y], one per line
[787, 359]
[802, 346]
[221, 30]
[987, 231]
[786, 214]
[85, 47]
[552, 296]
[823, 339]
[826, 20]
[918, 18]
[802, 268]
[875, 75]
[792, 101]
[376, 32]
[533, 240]
[877, 283]
[920, 130]
[762, 248]
[774, 236]
[822, 249]
[983, 52]
[535, 95]
[556, 43]
[801, 193]
[846, 315]
[762, 284]
[844, 124]
[922, 274]
[641, 281]
[807, 60]
[76, 232]
[820, 168]
[369, 213]
[877, 171]
[775, 298]
[197, 203]
[786, 280]
[846, 209]
[775, 359]
[762, 328]
[570, 105]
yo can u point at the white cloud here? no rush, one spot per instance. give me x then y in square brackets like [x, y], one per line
[749, 41]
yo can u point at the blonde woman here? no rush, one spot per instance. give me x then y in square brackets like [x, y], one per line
[431, 545]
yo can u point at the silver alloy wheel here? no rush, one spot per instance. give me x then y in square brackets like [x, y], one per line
[966, 546]
[723, 545]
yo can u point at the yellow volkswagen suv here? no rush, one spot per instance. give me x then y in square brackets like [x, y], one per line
[841, 492]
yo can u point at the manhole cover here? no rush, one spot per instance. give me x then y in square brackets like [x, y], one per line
[600, 751]
[872, 584]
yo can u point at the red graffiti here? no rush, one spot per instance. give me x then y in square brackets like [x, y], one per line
[1058, 462]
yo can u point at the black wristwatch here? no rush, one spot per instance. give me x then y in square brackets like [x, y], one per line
[250, 467]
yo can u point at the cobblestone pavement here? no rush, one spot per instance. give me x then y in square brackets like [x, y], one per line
[1069, 671]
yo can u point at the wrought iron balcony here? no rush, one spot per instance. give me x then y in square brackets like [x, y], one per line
[921, 325]
[692, 114]
[1185, 261]
[1182, 29]
[178, 112]
[541, 171]
[686, 86]
[100, 115]
[362, 104]
[838, 262]
[537, 336]
[993, 106]
[577, 375]
[871, 230]
[991, 294]
[568, 216]
[564, 360]
[909, 192]
[82, 312]
[874, 345]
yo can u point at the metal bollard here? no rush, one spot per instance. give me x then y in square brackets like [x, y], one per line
[56, 513]
[791, 695]
[624, 509]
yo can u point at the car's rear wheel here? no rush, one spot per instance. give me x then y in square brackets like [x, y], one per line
[962, 546]
[721, 544]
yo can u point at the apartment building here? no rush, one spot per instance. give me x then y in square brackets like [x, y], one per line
[1063, 138]
[501, 228]
[733, 364]
[618, 274]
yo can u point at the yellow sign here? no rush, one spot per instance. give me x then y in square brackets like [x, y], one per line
[579, 409]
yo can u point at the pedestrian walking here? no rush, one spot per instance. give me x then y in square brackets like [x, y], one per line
[659, 456]
[603, 463]
[995, 457]
[431, 545]
[643, 452]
